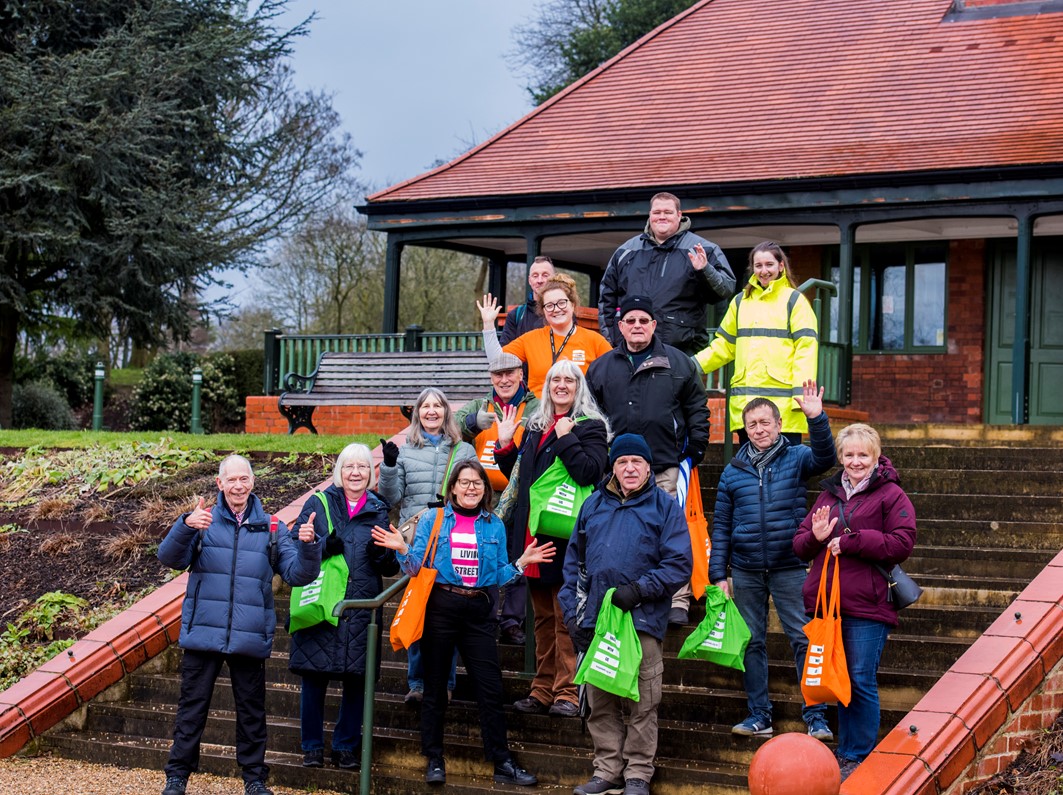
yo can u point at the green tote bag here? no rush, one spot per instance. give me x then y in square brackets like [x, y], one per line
[614, 657]
[311, 604]
[555, 499]
[722, 636]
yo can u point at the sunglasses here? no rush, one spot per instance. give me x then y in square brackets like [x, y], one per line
[637, 321]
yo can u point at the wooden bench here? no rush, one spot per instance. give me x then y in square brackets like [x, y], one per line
[381, 379]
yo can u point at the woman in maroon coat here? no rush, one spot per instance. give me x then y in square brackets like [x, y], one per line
[864, 517]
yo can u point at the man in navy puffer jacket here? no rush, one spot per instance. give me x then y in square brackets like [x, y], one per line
[760, 502]
[228, 616]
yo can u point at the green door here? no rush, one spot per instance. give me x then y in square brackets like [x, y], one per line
[1046, 333]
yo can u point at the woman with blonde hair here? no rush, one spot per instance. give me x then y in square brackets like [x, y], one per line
[560, 338]
[344, 514]
[567, 426]
[771, 334]
[414, 475]
[865, 521]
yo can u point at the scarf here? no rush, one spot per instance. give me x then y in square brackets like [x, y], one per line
[761, 458]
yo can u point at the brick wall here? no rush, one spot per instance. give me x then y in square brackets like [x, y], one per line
[1021, 731]
[945, 387]
[263, 417]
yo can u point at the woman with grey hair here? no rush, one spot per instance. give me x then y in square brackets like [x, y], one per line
[567, 426]
[412, 476]
[344, 513]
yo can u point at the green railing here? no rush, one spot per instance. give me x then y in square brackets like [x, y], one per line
[372, 637]
[299, 353]
[835, 361]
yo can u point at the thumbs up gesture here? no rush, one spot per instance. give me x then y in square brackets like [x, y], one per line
[306, 529]
[199, 518]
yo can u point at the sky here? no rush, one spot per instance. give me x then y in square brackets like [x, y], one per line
[415, 80]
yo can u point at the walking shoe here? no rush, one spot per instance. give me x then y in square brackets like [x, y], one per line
[436, 773]
[509, 772]
[414, 697]
[512, 636]
[314, 758]
[818, 728]
[753, 727]
[175, 785]
[599, 786]
[565, 709]
[256, 788]
[348, 760]
[847, 766]
[531, 706]
[677, 617]
[636, 786]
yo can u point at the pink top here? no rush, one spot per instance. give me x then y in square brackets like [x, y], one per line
[354, 507]
[464, 555]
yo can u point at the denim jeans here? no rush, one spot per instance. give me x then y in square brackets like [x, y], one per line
[347, 735]
[751, 592]
[858, 723]
[415, 669]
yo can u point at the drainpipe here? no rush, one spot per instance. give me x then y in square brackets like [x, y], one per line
[1020, 347]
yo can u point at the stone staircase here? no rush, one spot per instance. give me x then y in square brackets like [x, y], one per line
[990, 517]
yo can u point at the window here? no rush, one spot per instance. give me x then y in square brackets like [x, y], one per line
[898, 297]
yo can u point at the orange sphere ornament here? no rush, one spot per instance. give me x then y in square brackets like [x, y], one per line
[794, 764]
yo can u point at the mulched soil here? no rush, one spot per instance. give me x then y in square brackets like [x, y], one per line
[103, 560]
[1038, 770]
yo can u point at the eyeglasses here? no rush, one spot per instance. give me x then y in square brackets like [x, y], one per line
[355, 468]
[470, 484]
[637, 321]
[560, 306]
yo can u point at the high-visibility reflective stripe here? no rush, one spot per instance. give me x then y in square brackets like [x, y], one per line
[806, 332]
[759, 391]
[729, 337]
[763, 332]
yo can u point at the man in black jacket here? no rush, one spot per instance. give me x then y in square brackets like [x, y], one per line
[647, 387]
[682, 272]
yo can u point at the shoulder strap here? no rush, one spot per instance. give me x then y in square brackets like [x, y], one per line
[324, 503]
[433, 540]
[272, 549]
[450, 465]
[790, 304]
[518, 313]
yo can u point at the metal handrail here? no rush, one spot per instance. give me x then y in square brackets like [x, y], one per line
[372, 634]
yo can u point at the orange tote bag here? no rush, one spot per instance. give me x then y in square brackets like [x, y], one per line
[408, 624]
[826, 676]
[700, 545]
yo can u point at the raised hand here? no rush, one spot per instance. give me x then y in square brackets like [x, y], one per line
[489, 310]
[200, 516]
[390, 451]
[390, 538]
[306, 529]
[534, 553]
[811, 402]
[698, 258]
[507, 426]
[821, 527]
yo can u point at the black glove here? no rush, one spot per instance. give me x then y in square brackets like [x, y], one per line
[581, 638]
[390, 451]
[627, 596]
[382, 559]
[333, 546]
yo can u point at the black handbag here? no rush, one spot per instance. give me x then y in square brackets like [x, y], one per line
[901, 589]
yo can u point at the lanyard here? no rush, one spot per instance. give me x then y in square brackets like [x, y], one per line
[555, 353]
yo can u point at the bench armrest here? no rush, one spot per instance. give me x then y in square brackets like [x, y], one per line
[293, 382]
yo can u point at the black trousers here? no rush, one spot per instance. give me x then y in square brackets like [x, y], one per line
[199, 671]
[468, 624]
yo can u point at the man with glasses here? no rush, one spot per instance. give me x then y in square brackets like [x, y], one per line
[681, 272]
[647, 387]
[478, 420]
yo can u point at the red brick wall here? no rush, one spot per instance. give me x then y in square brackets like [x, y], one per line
[945, 387]
[263, 417]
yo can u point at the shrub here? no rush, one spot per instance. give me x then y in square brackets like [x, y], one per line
[39, 405]
[163, 399]
[71, 373]
[247, 372]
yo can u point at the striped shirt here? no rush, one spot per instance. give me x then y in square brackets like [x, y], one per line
[464, 554]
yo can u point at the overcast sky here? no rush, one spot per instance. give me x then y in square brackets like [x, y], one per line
[415, 80]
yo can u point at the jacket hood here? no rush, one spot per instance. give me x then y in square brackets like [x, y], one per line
[684, 226]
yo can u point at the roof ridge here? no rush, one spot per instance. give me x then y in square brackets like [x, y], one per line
[527, 117]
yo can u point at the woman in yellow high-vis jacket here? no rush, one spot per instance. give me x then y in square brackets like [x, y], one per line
[770, 332]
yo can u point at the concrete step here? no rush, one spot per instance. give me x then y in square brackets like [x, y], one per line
[1028, 532]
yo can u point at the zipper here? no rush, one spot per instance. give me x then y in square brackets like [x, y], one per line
[232, 588]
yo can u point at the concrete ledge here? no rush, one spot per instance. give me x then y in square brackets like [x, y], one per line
[1006, 688]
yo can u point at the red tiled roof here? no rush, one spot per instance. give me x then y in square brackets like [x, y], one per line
[750, 90]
